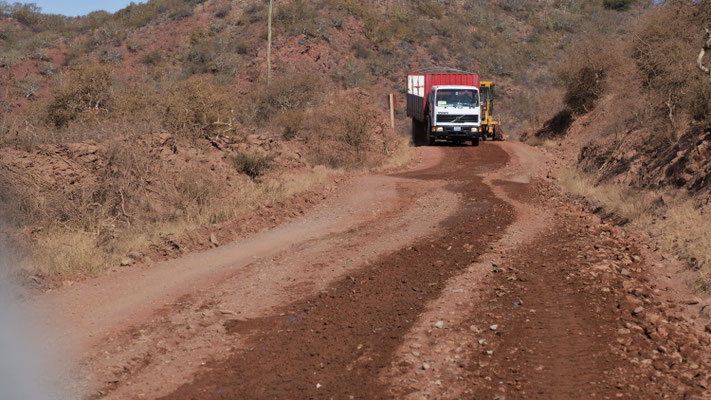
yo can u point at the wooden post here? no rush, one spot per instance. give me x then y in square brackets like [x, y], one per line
[391, 100]
[269, 44]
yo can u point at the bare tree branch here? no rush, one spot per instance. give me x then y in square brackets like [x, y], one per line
[702, 53]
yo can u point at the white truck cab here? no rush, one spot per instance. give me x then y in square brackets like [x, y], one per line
[454, 112]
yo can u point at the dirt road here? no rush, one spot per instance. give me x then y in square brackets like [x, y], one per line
[466, 277]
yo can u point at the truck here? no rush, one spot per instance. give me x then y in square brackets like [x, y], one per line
[490, 126]
[444, 104]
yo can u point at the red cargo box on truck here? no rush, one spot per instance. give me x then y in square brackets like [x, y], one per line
[444, 104]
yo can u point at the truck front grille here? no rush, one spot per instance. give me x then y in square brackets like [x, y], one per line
[457, 118]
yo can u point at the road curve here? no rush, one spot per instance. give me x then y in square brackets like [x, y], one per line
[466, 277]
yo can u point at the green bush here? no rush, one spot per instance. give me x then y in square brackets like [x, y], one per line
[254, 12]
[223, 10]
[619, 5]
[252, 165]
[46, 68]
[298, 17]
[182, 12]
[152, 58]
[133, 46]
[429, 8]
[360, 49]
[110, 55]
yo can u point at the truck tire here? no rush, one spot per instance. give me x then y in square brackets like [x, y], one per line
[416, 134]
[475, 142]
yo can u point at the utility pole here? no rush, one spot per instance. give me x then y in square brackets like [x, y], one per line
[269, 44]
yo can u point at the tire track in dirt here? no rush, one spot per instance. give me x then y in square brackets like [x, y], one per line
[191, 330]
[121, 333]
[428, 363]
[569, 312]
[335, 344]
[581, 319]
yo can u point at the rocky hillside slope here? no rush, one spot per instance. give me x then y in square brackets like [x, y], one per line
[637, 123]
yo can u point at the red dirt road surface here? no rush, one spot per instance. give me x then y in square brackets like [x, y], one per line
[469, 276]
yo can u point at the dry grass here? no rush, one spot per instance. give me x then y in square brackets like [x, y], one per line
[678, 227]
[60, 250]
[349, 131]
[402, 153]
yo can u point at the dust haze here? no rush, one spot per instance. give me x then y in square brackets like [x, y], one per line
[23, 372]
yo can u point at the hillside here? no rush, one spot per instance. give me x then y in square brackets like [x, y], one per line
[637, 124]
[120, 133]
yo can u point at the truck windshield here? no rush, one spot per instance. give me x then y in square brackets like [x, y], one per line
[457, 98]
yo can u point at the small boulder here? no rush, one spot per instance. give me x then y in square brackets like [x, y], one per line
[213, 240]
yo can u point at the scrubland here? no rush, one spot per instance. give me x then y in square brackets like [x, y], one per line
[120, 130]
[636, 121]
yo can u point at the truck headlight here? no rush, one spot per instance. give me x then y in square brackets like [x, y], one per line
[440, 129]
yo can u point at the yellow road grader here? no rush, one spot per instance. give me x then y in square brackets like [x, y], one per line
[491, 128]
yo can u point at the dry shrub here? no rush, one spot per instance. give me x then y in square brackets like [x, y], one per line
[298, 17]
[252, 165]
[291, 122]
[361, 49]
[288, 91]
[194, 196]
[151, 58]
[223, 10]
[197, 107]
[214, 55]
[87, 225]
[429, 8]
[584, 70]
[348, 132]
[83, 95]
[665, 50]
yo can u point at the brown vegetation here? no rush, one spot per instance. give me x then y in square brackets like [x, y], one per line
[195, 70]
[639, 118]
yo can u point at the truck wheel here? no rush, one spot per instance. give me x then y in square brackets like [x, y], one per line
[475, 142]
[416, 132]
